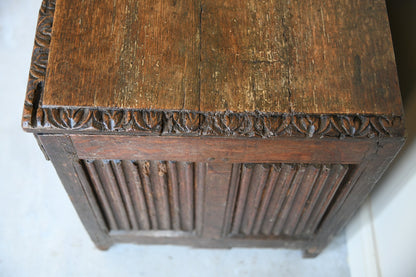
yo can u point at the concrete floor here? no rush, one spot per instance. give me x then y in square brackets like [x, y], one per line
[40, 234]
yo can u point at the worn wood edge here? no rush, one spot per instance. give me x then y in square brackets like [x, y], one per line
[189, 239]
[193, 123]
[63, 156]
[38, 64]
[222, 150]
[40, 119]
[374, 165]
[154, 234]
[42, 148]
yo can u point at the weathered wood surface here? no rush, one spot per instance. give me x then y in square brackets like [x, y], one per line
[276, 199]
[160, 194]
[124, 54]
[250, 123]
[222, 150]
[76, 183]
[272, 56]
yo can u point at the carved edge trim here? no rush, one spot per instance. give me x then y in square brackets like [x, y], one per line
[254, 124]
[39, 63]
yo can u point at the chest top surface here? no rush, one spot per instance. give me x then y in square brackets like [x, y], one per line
[241, 56]
[251, 68]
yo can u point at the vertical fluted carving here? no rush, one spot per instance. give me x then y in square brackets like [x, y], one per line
[280, 199]
[147, 195]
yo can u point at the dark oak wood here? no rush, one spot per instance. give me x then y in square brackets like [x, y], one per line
[127, 199]
[124, 54]
[212, 55]
[176, 238]
[215, 123]
[222, 149]
[136, 190]
[383, 120]
[217, 178]
[99, 189]
[356, 191]
[267, 196]
[61, 152]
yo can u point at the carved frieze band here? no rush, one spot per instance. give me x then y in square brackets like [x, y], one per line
[254, 124]
[39, 62]
[216, 124]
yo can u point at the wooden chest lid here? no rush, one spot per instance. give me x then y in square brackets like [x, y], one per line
[264, 57]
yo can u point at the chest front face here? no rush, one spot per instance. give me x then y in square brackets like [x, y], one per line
[215, 123]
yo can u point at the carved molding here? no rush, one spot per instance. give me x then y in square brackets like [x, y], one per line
[39, 62]
[254, 124]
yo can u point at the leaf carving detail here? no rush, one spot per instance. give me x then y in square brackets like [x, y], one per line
[223, 124]
[68, 118]
[148, 120]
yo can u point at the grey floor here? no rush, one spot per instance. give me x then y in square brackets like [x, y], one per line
[40, 234]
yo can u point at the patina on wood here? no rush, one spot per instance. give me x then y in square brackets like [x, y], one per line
[215, 123]
[271, 56]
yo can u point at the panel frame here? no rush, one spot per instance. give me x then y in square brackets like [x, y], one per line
[65, 151]
[61, 153]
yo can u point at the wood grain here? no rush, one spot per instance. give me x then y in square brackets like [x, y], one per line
[186, 194]
[246, 175]
[300, 200]
[267, 195]
[200, 174]
[243, 56]
[276, 56]
[125, 193]
[174, 195]
[99, 190]
[137, 193]
[158, 174]
[124, 54]
[113, 194]
[254, 197]
[75, 180]
[342, 58]
[356, 191]
[332, 183]
[217, 182]
[185, 238]
[229, 150]
[232, 197]
[313, 199]
[148, 195]
[289, 198]
[277, 200]
[215, 123]
[144, 170]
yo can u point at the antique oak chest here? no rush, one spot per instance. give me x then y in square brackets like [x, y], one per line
[215, 123]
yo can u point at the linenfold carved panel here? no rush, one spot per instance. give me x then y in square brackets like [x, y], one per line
[263, 199]
[281, 199]
[144, 195]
